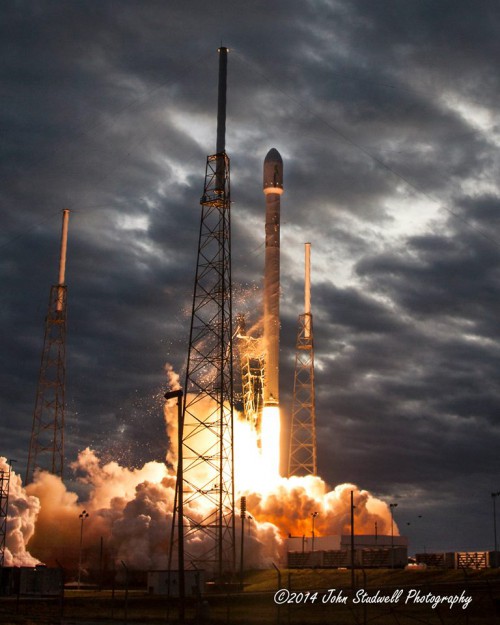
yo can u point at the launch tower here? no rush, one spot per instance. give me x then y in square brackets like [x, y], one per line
[46, 449]
[302, 457]
[207, 431]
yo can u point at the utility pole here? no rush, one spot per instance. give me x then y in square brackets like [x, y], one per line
[179, 509]
[353, 581]
[391, 508]
[82, 516]
[493, 497]
[243, 514]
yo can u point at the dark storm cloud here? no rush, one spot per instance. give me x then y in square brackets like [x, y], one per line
[109, 109]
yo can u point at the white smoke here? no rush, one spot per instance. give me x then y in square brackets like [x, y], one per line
[22, 513]
[130, 510]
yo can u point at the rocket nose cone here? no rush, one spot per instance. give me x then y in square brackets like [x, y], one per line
[273, 172]
[273, 156]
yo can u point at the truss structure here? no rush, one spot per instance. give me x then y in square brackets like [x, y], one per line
[251, 357]
[4, 505]
[207, 436]
[46, 449]
[302, 457]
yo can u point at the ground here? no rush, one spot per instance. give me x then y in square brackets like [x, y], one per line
[310, 596]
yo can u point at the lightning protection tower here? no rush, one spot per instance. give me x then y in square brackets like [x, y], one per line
[46, 449]
[207, 431]
[4, 506]
[302, 457]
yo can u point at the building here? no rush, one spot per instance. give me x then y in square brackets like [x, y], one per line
[370, 551]
[459, 559]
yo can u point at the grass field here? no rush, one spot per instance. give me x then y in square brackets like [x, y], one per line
[256, 605]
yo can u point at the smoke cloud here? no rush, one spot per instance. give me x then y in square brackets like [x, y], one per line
[21, 516]
[130, 510]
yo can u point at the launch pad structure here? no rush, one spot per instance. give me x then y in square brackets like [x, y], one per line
[46, 450]
[207, 481]
[252, 364]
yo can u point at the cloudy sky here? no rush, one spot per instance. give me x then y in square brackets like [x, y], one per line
[385, 116]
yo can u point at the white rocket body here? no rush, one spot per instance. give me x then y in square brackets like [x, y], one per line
[273, 188]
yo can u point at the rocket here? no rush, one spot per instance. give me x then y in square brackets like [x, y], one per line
[273, 188]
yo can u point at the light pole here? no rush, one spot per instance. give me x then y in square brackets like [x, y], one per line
[82, 516]
[313, 517]
[391, 508]
[243, 514]
[353, 553]
[493, 497]
[408, 523]
[250, 519]
[178, 394]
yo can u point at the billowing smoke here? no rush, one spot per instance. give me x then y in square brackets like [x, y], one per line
[292, 501]
[129, 514]
[21, 516]
[130, 510]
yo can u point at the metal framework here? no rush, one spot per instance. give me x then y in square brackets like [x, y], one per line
[252, 365]
[207, 438]
[46, 449]
[302, 457]
[4, 505]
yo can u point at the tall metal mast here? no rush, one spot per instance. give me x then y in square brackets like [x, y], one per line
[4, 508]
[46, 449]
[302, 458]
[207, 437]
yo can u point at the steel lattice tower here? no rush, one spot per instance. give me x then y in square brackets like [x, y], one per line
[207, 430]
[302, 457]
[4, 506]
[46, 449]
